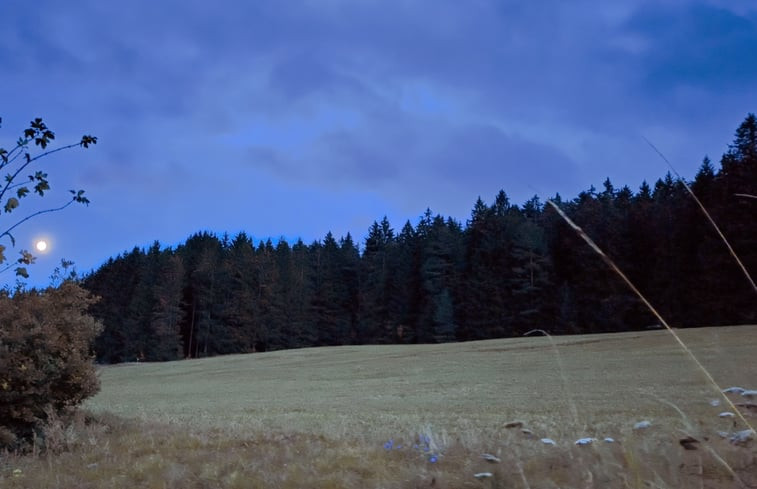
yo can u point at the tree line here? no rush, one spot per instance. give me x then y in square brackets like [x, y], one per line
[506, 270]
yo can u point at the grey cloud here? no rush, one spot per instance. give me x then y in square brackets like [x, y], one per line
[553, 93]
[478, 155]
[697, 44]
[424, 160]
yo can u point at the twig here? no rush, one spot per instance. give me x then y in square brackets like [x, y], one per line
[7, 232]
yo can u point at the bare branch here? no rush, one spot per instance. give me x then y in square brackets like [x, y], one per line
[32, 160]
[8, 231]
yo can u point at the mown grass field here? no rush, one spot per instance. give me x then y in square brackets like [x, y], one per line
[322, 417]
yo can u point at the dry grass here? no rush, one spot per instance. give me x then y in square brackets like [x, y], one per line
[320, 417]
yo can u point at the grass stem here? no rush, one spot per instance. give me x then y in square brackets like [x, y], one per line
[636, 291]
[708, 216]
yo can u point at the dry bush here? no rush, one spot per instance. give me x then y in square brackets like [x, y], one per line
[45, 358]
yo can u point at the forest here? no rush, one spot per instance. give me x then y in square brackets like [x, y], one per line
[505, 271]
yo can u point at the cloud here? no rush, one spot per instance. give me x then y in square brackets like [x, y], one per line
[351, 109]
[696, 45]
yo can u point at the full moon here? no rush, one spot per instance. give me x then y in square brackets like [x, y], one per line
[41, 245]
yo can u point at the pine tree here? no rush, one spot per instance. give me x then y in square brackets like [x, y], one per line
[349, 280]
[486, 298]
[533, 298]
[165, 324]
[442, 248]
[377, 285]
[201, 255]
[239, 298]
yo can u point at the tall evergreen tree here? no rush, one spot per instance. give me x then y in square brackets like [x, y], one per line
[165, 323]
[377, 285]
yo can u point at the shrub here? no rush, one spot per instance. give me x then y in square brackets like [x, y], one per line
[46, 361]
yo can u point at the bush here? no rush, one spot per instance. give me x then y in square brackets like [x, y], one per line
[46, 361]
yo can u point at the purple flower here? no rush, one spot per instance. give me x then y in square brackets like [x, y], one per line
[433, 459]
[388, 445]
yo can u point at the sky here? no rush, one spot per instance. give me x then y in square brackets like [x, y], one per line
[293, 118]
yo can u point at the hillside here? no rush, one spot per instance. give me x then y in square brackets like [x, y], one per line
[418, 417]
[611, 380]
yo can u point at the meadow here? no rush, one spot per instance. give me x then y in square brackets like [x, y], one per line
[499, 413]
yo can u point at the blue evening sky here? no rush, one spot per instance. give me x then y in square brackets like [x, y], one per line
[298, 117]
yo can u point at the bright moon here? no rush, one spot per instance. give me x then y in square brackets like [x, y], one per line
[41, 245]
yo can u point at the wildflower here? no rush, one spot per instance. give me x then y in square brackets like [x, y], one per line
[433, 459]
[388, 445]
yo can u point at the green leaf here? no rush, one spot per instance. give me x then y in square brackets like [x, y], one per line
[11, 204]
[21, 272]
[26, 258]
[2, 253]
[86, 140]
[41, 187]
[79, 197]
[21, 193]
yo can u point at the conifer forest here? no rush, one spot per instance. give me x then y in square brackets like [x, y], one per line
[506, 270]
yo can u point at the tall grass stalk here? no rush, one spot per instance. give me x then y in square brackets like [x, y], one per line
[707, 214]
[636, 291]
[707, 445]
[566, 389]
[523, 476]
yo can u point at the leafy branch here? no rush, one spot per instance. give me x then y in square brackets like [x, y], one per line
[13, 191]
